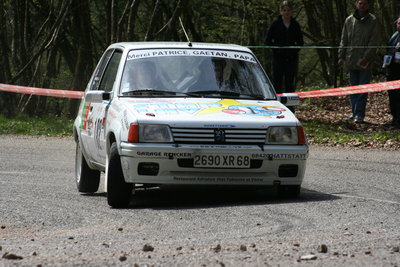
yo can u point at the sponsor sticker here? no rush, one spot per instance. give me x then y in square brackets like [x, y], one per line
[228, 106]
[167, 155]
[271, 156]
[219, 179]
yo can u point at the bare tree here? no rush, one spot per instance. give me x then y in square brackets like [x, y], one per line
[83, 60]
[132, 20]
[7, 100]
[151, 26]
[57, 43]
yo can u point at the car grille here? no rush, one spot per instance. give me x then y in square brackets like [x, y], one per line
[213, 136]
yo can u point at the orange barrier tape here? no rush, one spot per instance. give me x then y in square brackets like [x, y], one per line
[349, 90]
[40, 91]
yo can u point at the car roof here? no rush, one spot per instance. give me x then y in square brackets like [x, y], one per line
[182, 45]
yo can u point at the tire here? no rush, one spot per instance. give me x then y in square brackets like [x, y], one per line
[119, 192]
[87, 180]
[289, 191]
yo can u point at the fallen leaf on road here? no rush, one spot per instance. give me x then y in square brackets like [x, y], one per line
[147, 248]
[10, 256]
[322, 248]
[217, 248]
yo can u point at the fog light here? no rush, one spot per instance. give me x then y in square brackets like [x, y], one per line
[288, 170]
[148, 168]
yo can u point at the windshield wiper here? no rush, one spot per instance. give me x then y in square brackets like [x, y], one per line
[145, 91]
[258, 97]
[213, 92]
[226, 93]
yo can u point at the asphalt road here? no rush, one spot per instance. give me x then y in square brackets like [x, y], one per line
[348, 214]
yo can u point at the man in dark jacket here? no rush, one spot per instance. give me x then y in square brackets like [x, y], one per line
[285, 31]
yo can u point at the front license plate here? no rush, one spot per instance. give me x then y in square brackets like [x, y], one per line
[221, 161]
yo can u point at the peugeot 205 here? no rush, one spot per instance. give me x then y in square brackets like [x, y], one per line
[163, 113]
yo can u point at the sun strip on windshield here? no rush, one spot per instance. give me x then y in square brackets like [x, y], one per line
[138, 54]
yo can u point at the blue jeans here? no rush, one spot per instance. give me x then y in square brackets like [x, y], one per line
[359, 101]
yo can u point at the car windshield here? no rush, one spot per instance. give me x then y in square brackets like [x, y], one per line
[195, 72]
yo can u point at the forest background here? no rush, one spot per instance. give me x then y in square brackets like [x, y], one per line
[56, 44]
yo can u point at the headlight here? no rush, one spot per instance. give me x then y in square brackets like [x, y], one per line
[286, 136]
[154, 134]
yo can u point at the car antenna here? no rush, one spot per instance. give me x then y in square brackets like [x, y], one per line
[184, 31]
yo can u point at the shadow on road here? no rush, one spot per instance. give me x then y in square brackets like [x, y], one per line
[175, 198]
[196, 198]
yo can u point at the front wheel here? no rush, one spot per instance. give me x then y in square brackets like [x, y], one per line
[87, 180]
[118, 191]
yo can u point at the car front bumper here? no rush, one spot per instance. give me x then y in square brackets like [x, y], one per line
[174, 164]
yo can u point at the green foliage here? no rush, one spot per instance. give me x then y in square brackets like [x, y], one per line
[340, 134]
[25, 125]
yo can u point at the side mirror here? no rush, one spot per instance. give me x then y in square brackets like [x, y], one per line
[97, 96]
[289, 99]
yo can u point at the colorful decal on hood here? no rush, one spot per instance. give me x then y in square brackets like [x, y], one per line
[228, 106]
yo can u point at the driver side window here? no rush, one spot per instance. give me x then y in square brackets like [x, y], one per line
[110, 73]
[100, 70]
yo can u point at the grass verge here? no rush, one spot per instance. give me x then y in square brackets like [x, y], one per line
[349, 134]
[25, 125]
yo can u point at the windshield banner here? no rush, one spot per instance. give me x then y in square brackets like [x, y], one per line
[137, 54]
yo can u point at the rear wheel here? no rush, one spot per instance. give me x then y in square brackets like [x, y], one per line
[87, 180]
[119, 192]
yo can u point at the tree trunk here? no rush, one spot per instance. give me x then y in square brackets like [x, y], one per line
[83, 60]
[122, 22]
[190, 24]
[316, 35]
[114, 21]
[7, 100]
[131, 36]
[48, 76]
[172, 27]
[108, 21]
[150, 29]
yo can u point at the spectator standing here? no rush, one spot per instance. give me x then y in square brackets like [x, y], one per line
[360, 29]
[392, 63]
[285, 31]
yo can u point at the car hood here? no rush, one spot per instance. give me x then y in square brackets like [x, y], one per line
[210, 112]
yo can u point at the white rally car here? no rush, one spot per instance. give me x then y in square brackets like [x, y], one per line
[185, 113]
